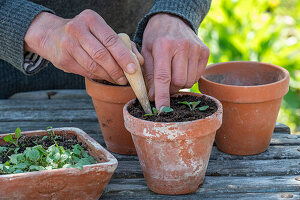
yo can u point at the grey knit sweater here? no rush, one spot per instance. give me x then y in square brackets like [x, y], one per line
[19, 69]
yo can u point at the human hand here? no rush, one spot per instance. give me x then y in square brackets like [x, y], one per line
[174, 57]
[84, 45]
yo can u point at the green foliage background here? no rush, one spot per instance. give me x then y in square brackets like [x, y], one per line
[258, 30]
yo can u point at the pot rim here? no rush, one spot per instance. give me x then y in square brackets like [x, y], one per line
[285, 72]
[244, 94]
[110, 165]
[108, 86]
[100, 91]
[218, 103]
[213, 122]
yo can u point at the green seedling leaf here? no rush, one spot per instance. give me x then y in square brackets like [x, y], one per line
[18, 171]
[45, 137]
[36, 168]
[21, 166]
[148, 115]
[8, 138]
[203, 108]
[167, 109]
[16, 150]
[18, 133]
[67, 166]
[185, 103]
[155, 111]
[195, 104]
[33, 155]
[2, 149]
[6, 163]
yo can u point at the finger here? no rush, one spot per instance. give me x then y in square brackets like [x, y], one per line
[162, 73]
[149, 73]
[111, 41]
[102, 57]
[87, 63]
[202, 62]
[137, 53]
[180, 66]
[192, 71]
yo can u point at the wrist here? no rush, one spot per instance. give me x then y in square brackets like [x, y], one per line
[38, 31]
[169, 17]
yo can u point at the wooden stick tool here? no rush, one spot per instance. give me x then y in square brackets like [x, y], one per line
[136, 80]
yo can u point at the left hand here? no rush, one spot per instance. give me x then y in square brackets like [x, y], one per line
[175, 57]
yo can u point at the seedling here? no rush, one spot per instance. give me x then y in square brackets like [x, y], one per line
[37, 158]
[193, 105]
[51, 134]
[165, 109]
[9, 138]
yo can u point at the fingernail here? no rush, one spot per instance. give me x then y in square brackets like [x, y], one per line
[131, 68]
[122, 81]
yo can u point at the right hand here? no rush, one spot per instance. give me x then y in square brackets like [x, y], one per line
[84, 45]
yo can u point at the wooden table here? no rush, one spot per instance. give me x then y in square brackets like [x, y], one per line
[274, 174]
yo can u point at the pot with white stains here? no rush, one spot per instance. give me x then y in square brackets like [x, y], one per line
[64, 183]
[174, 155]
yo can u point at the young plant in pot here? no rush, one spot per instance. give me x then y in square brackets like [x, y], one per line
[109, 100]
[63, 163]
[251, 94]
[174, 145]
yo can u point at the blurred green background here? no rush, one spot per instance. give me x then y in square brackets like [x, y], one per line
[258, 30]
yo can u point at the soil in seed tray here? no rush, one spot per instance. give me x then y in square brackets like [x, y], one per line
[109, 83]
[181, 112]
[26, 141]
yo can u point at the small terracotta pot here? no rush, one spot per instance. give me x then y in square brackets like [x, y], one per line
[174, 156]
[251, 94]
[69, 183]
[108, 102]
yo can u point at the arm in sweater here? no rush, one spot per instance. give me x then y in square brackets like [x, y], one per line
[191, 11]
[15, 18]
[175, 57]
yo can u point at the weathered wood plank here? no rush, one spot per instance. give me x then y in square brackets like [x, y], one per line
[212, 188]
[274, 152]
[128, 195]
[53, 94]
[132, 169]
[52, 104]
[48, 115]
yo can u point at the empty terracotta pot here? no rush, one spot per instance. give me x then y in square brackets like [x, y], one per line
[251, 94]
[108, 102]
[62, 184]
[174, 156]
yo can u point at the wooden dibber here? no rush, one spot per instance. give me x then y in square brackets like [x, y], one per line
[136, 80]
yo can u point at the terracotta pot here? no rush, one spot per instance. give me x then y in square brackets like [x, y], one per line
[108, 102]
[174, 156]
[69, 183]
[251, 94]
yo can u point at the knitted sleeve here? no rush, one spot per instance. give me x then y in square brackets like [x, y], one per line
[192, 11]
[15, 18]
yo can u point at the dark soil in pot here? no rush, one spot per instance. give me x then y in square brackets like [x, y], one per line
[109, 83]
[180, 113]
